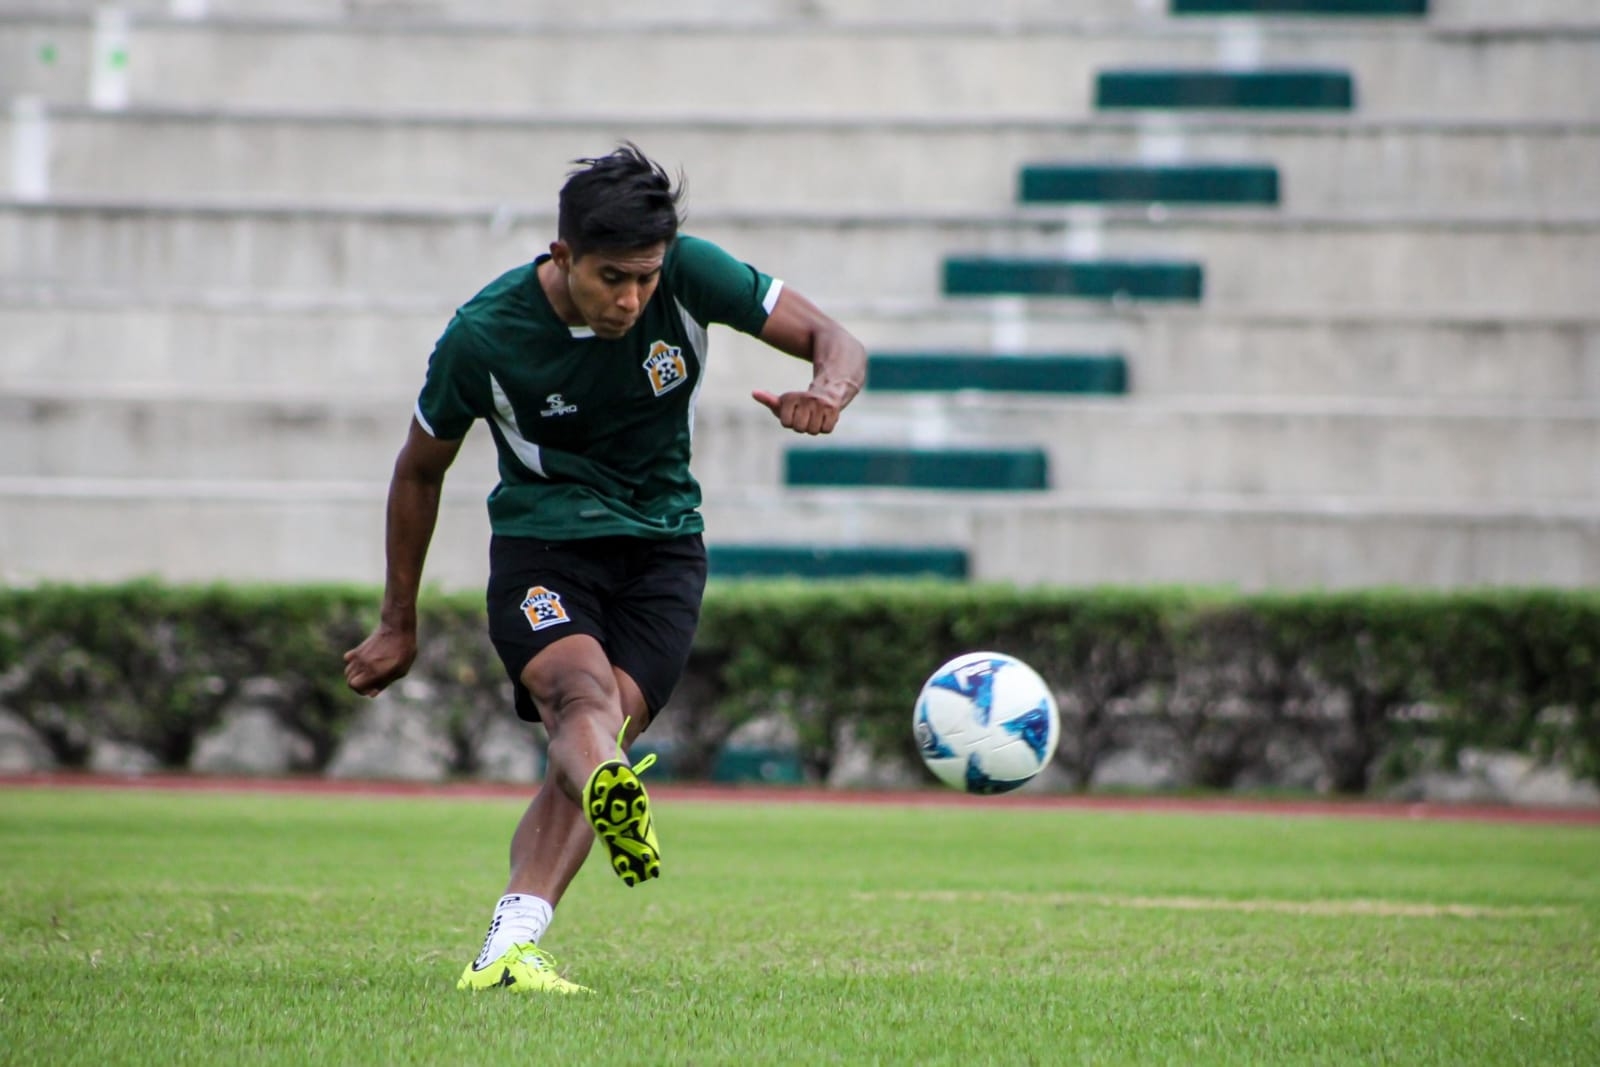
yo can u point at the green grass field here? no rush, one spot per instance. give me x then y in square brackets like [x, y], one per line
[151, 928]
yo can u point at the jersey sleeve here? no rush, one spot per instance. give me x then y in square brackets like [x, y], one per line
[715, 287]
[445, 408]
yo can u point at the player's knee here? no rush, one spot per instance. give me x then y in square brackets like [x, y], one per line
[570, 692]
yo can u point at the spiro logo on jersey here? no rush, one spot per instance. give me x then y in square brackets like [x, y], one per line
[543, 608]
[556, 404]
[666, 367]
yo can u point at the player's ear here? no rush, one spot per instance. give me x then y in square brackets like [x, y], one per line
[561, 254]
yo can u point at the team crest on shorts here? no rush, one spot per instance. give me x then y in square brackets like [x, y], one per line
[543, 608]
[666, 367]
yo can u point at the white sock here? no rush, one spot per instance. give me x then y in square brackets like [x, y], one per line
[518, 919]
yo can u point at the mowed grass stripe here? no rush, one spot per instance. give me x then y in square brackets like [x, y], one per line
[159, 928]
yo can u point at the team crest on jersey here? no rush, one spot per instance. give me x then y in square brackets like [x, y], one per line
[543, 608]
[666, 367]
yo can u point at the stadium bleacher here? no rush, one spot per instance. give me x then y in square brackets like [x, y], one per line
[1222, 291]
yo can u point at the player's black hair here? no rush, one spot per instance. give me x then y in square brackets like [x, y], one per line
[617, 203]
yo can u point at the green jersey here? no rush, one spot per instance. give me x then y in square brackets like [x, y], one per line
[593, 435]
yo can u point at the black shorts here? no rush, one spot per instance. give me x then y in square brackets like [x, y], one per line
[639, 598]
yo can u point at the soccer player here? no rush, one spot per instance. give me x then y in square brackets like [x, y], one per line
[585, 364]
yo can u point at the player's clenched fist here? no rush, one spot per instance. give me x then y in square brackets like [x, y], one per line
[802, 410]
[382, 658]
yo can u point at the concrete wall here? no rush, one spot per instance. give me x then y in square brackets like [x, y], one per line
[222, 266]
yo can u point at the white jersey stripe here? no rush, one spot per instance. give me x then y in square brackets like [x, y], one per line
[770, 301]
[699, 341]
[505, 417]
[422, 420]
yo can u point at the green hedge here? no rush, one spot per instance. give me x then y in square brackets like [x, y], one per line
[1368, 682]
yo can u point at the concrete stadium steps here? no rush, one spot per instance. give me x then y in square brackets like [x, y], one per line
[745, 164]
[1395, 451]
[1024, 68]
[187, 531]
[377, 350]
[53, 529]
[1494, 362]
[1086, 539]
[199, 436]
[1522, 13]
[610, 12]
[1258, 262]
[1180, 447]
[382, 349]
[613, 12]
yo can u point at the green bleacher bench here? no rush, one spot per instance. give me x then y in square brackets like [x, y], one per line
[945, 372]
[1145, 183]
[981, 470]
[1276, 89]
[1090, 279]
[1320, 8]
[837, 561]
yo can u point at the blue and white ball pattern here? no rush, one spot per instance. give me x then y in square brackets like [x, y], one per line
[986, 723]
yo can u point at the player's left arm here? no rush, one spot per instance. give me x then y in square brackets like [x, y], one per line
[838, 364]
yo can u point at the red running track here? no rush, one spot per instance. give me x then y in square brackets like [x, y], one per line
[745, 794]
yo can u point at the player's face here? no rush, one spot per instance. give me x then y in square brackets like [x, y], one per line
[611, 289]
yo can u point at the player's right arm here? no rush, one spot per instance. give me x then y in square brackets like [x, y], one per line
[447, 406]
[413, 510]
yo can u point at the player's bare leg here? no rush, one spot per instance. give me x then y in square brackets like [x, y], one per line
[575, 689]
[580, 698]
[568, 684]
[554, 838]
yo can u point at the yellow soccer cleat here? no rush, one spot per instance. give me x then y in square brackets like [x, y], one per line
[615, 804]
[523, 969]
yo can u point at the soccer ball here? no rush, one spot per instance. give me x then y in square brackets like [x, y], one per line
[986, 723]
